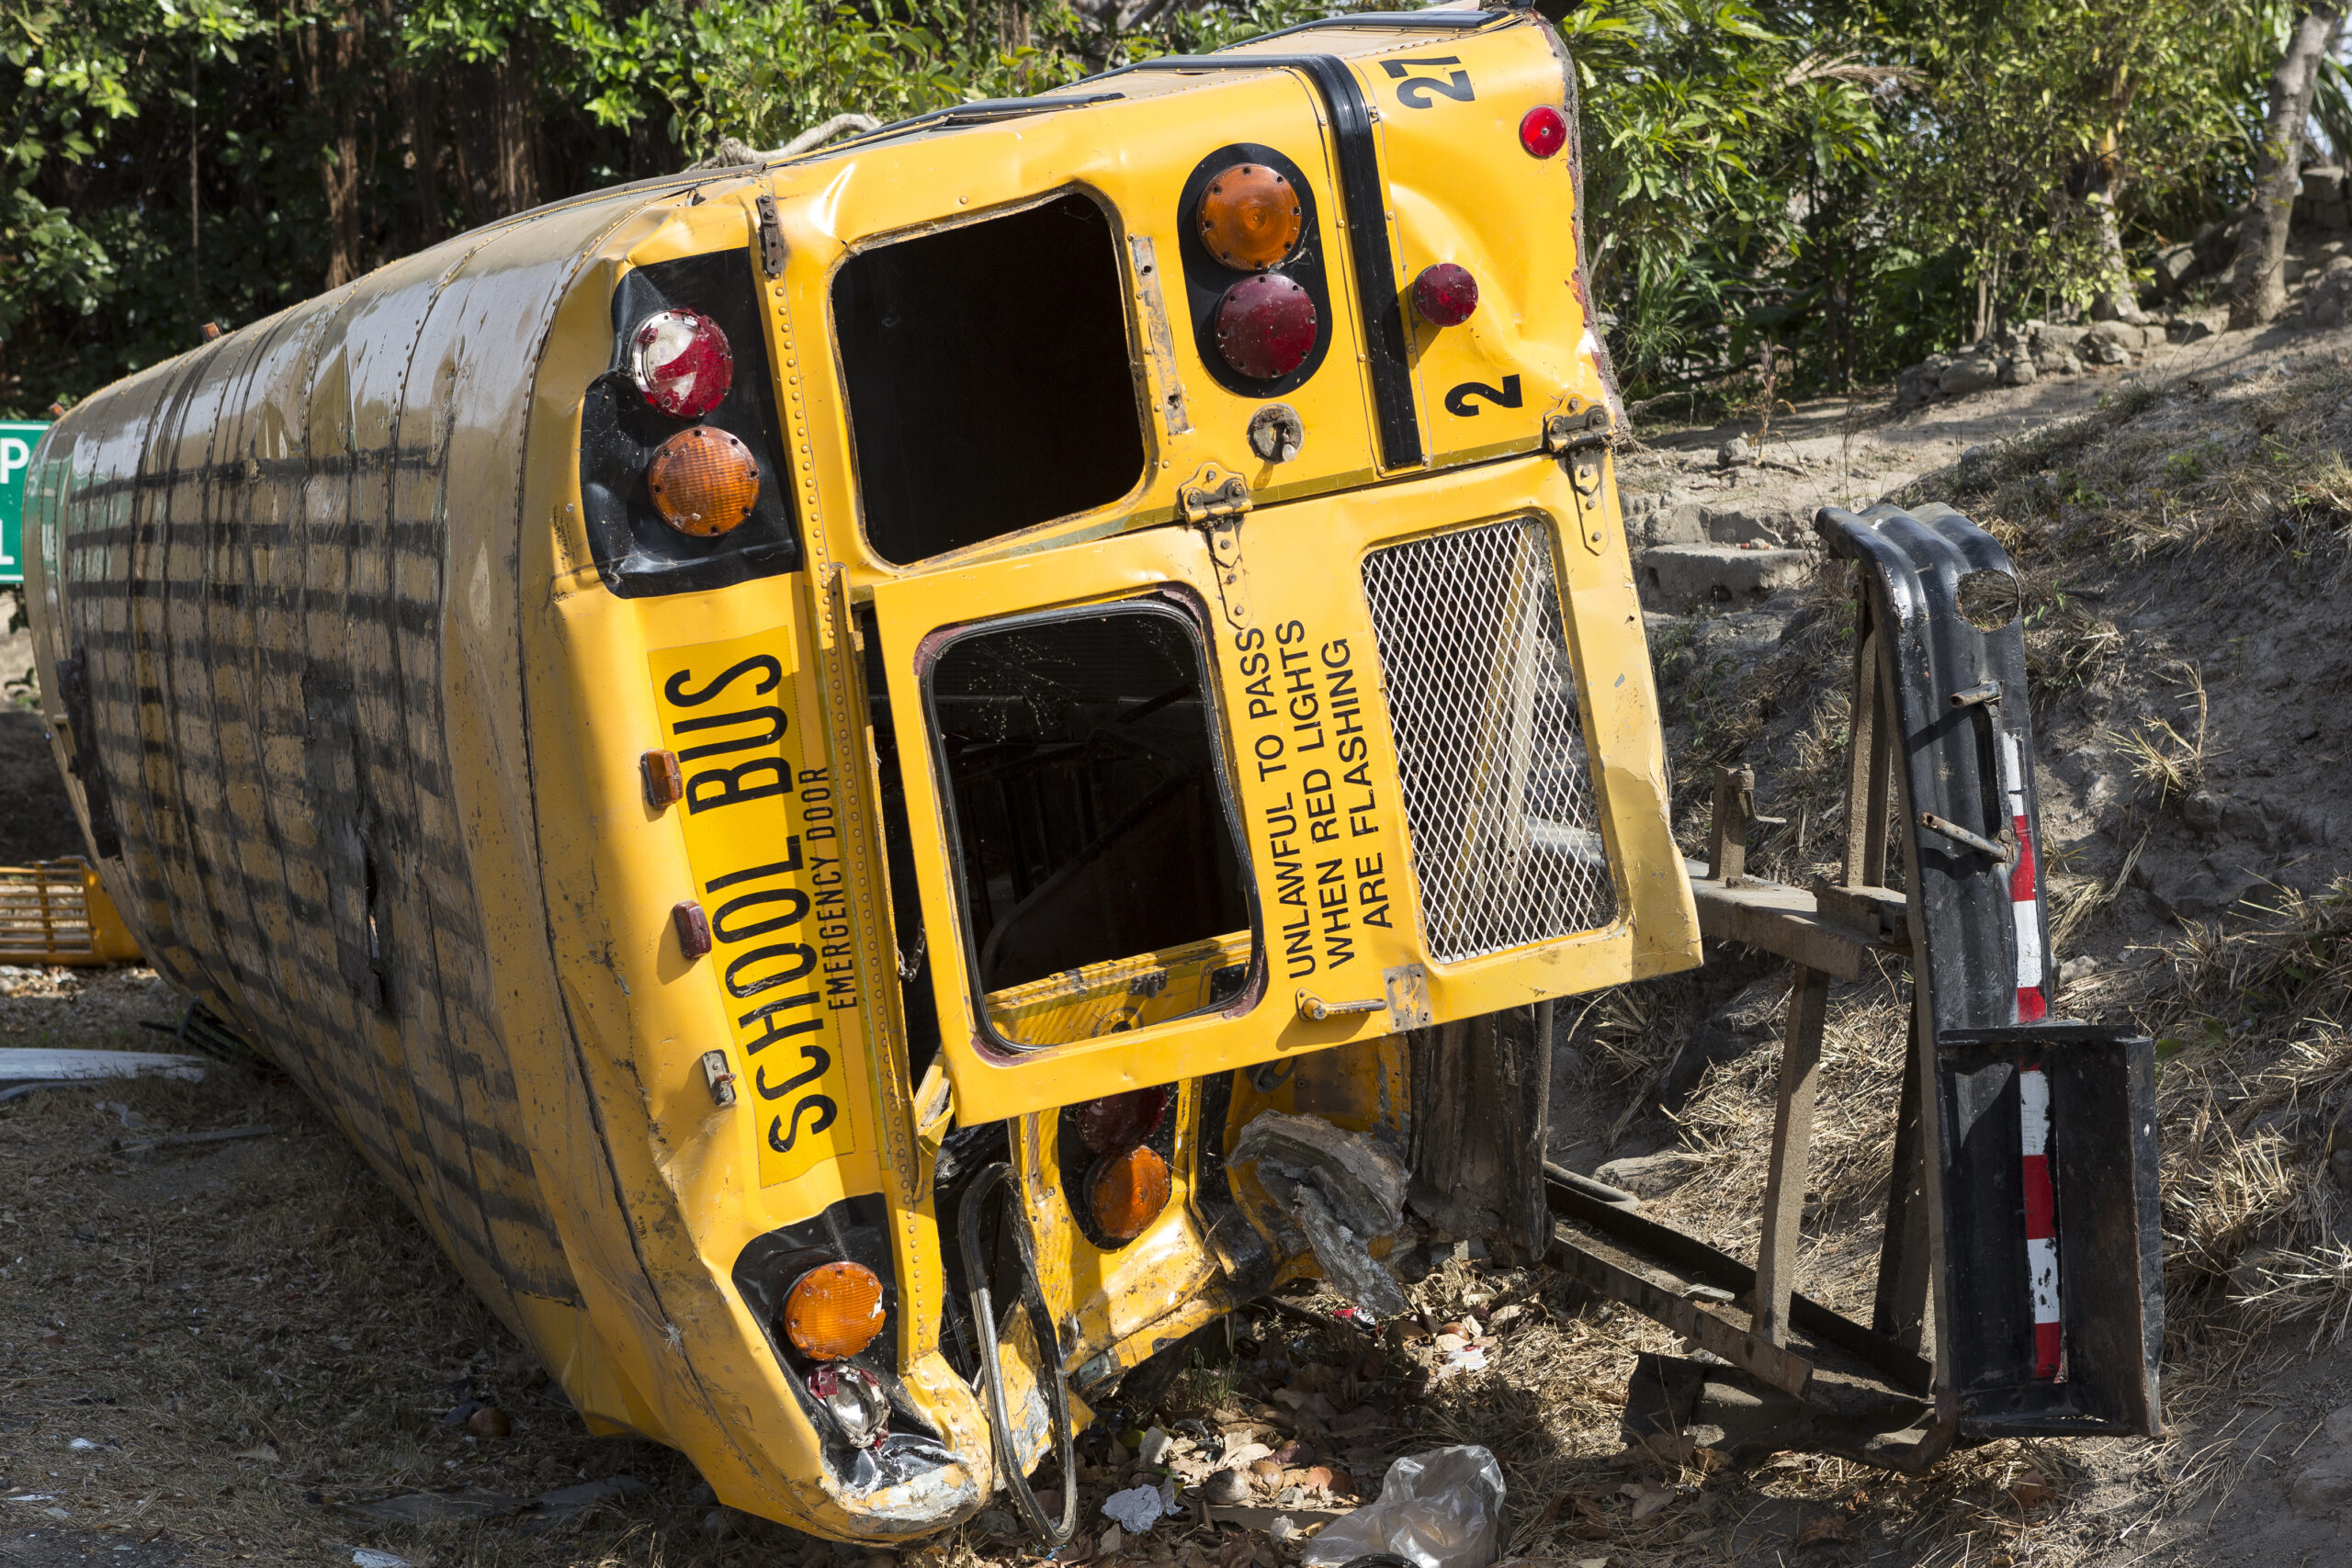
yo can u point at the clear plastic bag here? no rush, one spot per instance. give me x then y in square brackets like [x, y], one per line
[1441, 1509]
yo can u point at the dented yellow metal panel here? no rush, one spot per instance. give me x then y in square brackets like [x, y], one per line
[353, 701]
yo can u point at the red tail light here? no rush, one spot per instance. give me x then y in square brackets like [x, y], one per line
[681, 362]
[1542, 131]
[1265, 326]
[1110, 1123]
[1445, 294]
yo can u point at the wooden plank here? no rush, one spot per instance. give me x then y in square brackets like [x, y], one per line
[1800, 1084]
[1781, 920]
[1620, 1278]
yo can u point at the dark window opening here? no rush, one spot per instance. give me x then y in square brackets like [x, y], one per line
[990, 383]
[1091, 822]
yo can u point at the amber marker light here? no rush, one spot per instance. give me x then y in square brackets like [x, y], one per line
[704, 481]
[1127, 1192]
[833, 1311]
[1249, 217]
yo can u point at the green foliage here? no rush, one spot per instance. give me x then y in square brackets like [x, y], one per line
[1849, 183]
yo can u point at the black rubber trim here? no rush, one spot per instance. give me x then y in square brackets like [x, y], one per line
[1402, 21]
[1366, 215]
[979, 111]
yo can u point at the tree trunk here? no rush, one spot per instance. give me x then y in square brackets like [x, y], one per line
[328, 49]
[1482, 1094]
[2258, 282]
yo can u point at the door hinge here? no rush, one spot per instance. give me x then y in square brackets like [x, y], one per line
[1577, 431]
[1212, 493]
[1215, 500]
[772, 251]
[1574, 424]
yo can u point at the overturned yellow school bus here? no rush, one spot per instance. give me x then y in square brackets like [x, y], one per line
[795, 751]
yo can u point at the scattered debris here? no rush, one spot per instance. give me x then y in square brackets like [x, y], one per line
[190, 1140]
[1139, 1507]
[34, 1066]
[1440, 1509]
[471, 1506]
[370, 1557]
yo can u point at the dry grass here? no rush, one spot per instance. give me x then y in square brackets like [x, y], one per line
[2249, 470]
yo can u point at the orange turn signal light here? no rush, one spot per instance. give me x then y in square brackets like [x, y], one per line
[1127, 1192]
[833, 1311]
[1250, 216]
[704, 481]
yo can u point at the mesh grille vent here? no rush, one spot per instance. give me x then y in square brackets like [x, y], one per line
[1498, 790]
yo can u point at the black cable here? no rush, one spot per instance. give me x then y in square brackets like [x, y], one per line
[1048, 1345]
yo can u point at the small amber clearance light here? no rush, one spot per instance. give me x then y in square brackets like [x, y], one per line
[1127, 1192]
[833, 1311]
[1250, 216]
[704, 481]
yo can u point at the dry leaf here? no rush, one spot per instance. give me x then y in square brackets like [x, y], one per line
[1652, 1500]
[1822, 1530]
[2031, 1490]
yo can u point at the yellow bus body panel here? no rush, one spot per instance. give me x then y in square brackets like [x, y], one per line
[356, 720]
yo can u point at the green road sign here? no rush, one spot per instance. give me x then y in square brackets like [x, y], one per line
[18, 438]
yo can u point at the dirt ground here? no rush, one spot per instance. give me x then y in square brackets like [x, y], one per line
[208, 1352]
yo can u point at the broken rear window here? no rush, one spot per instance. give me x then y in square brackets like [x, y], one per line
[1095, 847]
[990, 383]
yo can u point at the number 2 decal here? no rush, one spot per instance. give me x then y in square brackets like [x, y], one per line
[1415, 91]
[1457, 401]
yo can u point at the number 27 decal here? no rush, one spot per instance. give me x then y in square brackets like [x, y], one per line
[1414, 94]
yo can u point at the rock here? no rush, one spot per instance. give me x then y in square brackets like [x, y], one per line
[1224, 1489]
[1649, 1176]
[2185, 329]
[2193, 892]
[2322, 1488]
[2020, 371]
[2337, 1428]
[1976, 373]
[2216, 245]
[489, 1422]
[1688, 577]
[2174, 269]
[2109, 354]
[727, 1524]
[1682, 525]
[1739, 525]
[2291, 271]
[2125, 335]
[2327, 303]
[1733, 452]
[2049, 335]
